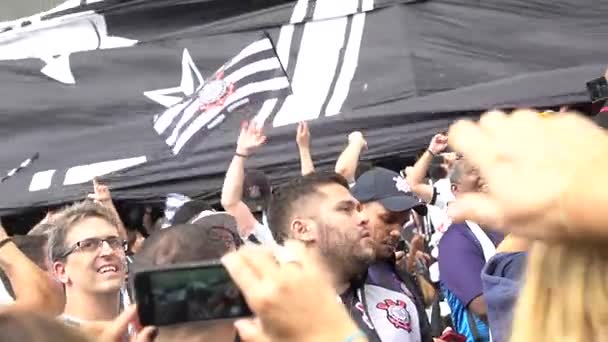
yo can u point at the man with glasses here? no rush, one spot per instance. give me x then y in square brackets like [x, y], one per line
[88, 258]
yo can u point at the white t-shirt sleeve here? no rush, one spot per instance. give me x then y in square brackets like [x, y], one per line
[443, 193]
[5, 297]
[262, 233]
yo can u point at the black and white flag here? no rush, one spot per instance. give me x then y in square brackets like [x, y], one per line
[250, 78]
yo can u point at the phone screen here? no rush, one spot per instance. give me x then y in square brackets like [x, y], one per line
[181, 295]
[598, 89]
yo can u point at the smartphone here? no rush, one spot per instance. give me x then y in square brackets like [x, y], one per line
[598, 89]
[452, 336]
[187, 293]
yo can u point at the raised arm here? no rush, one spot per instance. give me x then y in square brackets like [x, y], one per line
[249, 139]
[303, 141]
[417, 174]
[33, 288]
[349, 159]
[103, 196]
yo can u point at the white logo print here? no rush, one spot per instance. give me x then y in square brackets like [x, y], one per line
[401, 184]
[53, 40]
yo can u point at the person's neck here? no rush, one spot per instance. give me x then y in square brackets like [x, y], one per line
[92, 307]
[342, 276]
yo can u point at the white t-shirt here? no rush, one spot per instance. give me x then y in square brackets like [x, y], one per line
[261, 232]
[443, 193]
[5, 297]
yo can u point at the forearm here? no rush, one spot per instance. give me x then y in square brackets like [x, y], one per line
[348, 161]
[418, 172]
[232, 190]
[32, 287]
[306, 164]
[122, 230]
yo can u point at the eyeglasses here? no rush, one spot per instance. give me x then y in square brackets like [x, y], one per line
[94, 244]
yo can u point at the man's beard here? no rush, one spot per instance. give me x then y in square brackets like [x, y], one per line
[345, 257]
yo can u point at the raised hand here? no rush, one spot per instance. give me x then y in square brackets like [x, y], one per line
[250, 138]
[356, 137]
[101, 193]
[290, 288]
[303, 135]
[438, 143]
[533, 167]
[116, 330]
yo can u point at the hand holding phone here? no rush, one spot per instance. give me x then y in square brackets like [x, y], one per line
[186, 293]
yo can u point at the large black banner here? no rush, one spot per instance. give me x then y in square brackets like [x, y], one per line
[81, 87]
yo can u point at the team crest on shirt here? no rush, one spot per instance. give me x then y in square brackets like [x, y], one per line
[401, 184]
[396, 313]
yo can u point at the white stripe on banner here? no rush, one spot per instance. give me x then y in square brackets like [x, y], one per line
[315, 70]
[195, 126]
[284, 44]
[283, 47]
[368, 5]
[250, 69]
[299, 11]
[349, 66]
[317, 62]
[85, 173]
[186, 116]
[245, 91]
[253, 48]
[166, 118]
[264, 112]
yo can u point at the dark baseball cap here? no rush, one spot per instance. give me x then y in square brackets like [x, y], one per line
[256, 190]
[388, 188]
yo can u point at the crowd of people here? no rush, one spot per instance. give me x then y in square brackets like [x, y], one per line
[492, 235]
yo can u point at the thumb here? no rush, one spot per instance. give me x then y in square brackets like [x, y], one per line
[119, 326]
[250, 330]
[477, 207]
[147, 334]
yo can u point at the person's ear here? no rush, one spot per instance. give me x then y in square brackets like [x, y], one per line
[60, 272]
[454, 188]
[304, 230]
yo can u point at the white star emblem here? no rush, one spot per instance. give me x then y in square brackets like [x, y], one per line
[191, 81]
[401, 184]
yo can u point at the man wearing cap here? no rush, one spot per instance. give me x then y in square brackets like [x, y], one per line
[245, 195]
[387, 201]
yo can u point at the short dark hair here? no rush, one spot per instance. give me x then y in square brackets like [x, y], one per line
[437, 172]
[285, 198]
[184, 243]
[68, 218]
[34, 247]
[189, 210]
